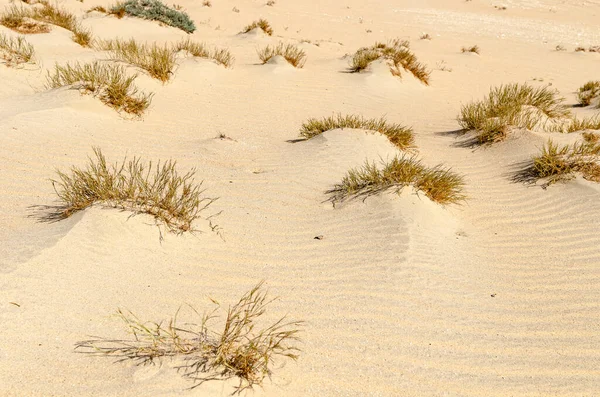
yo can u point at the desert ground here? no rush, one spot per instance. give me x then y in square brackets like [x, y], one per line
[495, 295]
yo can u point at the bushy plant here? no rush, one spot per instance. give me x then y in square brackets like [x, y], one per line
[397, 53]
[562, 162]
[438, 183]
[110, 82]
[399, 135]
[240, 350]
[589, 92]
[291, 53]
[512, 105]
[156, 11]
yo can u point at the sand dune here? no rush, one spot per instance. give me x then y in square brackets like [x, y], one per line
[498, 296]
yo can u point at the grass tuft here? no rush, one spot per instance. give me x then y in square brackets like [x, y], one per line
[15, 50]
[239, 350]
[474, 49]
[21, 20]
[560, 163]
[438, 183]
[219, 55]
[294, 55]
[402, 137]
[397, 53]
[157, 190]
[512, 106]
[158, 61]
[262, 24]
[156, 11]
[109, 82]
[588, 93]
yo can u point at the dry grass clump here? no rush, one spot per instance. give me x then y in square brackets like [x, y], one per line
[97, 8]
[474, 49]
[262, 24]
[219, 55]
[438, 183]
[576, 125]
[240, 349]
[15, 50]
[158, 190]
[21, 20]
[158, 61]
[156, 11]
[109, 82]
[397, 53]
[512, 106]
[401, 136]
[559, 163]
[589, 92]
[294, 55]
[206, 3]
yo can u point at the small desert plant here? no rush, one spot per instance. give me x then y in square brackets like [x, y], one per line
[82, 36]
[263, 24]
[425, 36]
[158, 190]
[55, 16]
[474, 49]
[588, 93]
[576, 125]
[559, 163]
[271, 3]
[397, 53]
[241, 349]
[158, 61]
[109, 82]
[219, 55]
[156, 11]
[21, 20]
[560, 48]
[512, 105]
[438, 183]
[15, 50]
[98, 8]
[402, 137]
[206, 3]
[294, 55]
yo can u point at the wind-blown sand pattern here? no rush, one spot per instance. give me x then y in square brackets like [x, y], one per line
[499, 296]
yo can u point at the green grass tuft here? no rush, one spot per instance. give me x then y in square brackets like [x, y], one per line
[15, 50]
[239, 350]
[438, 183]
[512, 106]
[156, 11]
[397, 53]
[294, 55]
[109, 82]
[157, 190]
[262, 24]
[400, 136]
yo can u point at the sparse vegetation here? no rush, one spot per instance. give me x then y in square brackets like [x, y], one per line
[98, 8]
[512, 106]
[271, 3]
[577, 125]
[157, 190]
[36, 20]
[158, 61]
[425, 36]
[206, 3]
[397, 53]
[240, 350]
[294, 55]
[438, 183]
[199, 50]
[474, 49]
[589, 92]
[156, 11]
[559, 163]
[15, 50]
[263, 24]
[560, 48]
[400, 136]
[109, 82]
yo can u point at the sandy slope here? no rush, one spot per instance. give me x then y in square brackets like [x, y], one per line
[398, 293]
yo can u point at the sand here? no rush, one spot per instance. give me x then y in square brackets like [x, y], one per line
[499, 296]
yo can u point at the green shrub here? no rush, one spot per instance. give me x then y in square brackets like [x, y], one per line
[156, 11]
